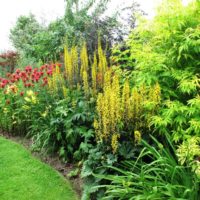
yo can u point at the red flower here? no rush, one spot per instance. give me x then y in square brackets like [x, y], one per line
[23, 74]
[42, 67]
[17, 71]
[49, 72]
[28, 69]
[5, 81]
[21, 93]
[59, 64]
[2, 85]
[8, 75]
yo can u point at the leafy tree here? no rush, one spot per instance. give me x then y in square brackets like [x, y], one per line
[23, 33]
[83, 20]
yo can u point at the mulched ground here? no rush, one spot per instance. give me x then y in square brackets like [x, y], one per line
[51, 160]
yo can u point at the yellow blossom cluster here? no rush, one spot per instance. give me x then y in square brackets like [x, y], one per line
[102, 65]
[56, 83]
[30, 97]
[78, 72]
[109, 111]
[71, 65]
[122, 109]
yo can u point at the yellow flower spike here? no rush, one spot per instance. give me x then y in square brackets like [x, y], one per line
[64, 91]
[109, 111]
[74, 61]
[74, 103]
[102, 65]
[94, 74]
[85, 83]
[114, 142]
[107, 79]
[68, 65]
[84, 59]
[157, 93]
[126, 102]
[137, 137]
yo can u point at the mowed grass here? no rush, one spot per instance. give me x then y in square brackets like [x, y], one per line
[22, 177]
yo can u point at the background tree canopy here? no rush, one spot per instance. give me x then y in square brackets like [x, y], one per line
[83, 21]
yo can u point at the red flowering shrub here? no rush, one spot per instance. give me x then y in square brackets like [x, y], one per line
[23, 91]
[9, 60]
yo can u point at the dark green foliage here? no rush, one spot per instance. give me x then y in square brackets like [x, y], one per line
[98, 160]
[154, 174]
[65, 127]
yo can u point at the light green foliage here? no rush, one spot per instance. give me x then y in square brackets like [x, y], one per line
[23, 33]
[166, 49]
[23, 177]
[35, 41]
[182, 120]
[189, 153]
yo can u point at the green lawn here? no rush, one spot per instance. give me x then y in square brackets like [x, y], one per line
[22, 177]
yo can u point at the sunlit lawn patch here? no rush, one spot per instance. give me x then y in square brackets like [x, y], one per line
[23, 177]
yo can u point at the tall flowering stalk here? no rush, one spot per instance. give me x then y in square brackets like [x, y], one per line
[68, 65]
[108, 108]
[79, 72]
[84, 60]
[85, 83]
[94, 74]
[75, 68]
[102, 65]
[121, 110]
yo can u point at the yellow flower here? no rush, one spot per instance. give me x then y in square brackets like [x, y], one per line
[85, 83]
[31, 98]
[25, 107]
[126, 102]
[64, 91]
[44, 114]
[114, 142]
[5, 110]
[94, 74]
[137, 137]
[29, 93]
[84, 60]
[27, 99]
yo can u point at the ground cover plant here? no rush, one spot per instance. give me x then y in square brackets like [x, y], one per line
[24, 177]
[121, 118]
[163, 177]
